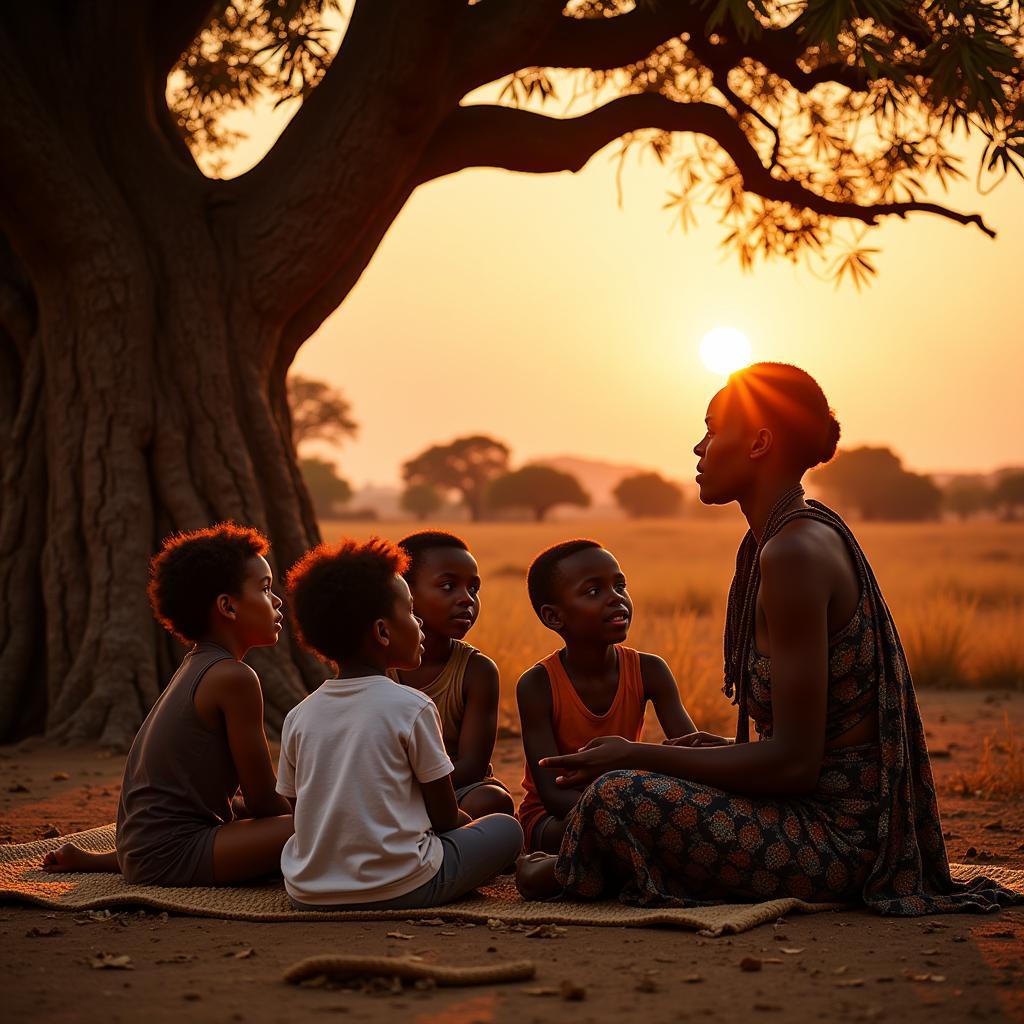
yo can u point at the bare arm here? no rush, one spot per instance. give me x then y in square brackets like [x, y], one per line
[479, 722]
[232, 690]
[533, 694]
[794, 595]
[661, 690]
[442, 807]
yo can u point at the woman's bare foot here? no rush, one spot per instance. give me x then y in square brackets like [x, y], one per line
[73, 858]
[535, 876]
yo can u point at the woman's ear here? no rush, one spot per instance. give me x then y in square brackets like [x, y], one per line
[762, 444]
[225, 605]
[551, 617]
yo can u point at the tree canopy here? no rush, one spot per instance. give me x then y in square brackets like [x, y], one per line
[787, 118]
[318, 411]
[1009, 492]
[466, 465]
[648, 494]
[421, 500]
[873, 482]
[538, 488]
[326, 489]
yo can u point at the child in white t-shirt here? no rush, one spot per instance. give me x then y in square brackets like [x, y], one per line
[362, 759]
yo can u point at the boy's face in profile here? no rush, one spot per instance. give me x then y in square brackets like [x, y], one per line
[591, 605]
[257, 615]
[446, 591]
[405, 638]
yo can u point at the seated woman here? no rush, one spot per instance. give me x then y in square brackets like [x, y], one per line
[836, 802]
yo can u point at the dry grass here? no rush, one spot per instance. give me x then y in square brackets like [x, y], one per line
[956, 591]
[1000, 773]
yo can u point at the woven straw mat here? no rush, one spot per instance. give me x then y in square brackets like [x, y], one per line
[22, 880]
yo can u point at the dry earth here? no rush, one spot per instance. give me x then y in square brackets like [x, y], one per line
[845, 967]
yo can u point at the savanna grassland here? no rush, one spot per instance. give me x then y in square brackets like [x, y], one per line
[956, 591]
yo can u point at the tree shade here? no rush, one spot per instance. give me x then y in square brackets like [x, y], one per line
[150, 311]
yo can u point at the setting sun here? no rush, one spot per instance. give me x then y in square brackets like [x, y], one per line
[724, 349]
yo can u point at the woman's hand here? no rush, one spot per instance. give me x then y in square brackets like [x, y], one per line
[600, 755]
[699, 739]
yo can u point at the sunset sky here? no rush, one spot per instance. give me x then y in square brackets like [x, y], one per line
[534, 309]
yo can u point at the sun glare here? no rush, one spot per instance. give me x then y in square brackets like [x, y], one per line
[724, 349]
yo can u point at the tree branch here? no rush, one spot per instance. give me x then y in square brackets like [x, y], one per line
[518, 140]
[353, 144]
[500, 43]
[173, 28]
[608, 43]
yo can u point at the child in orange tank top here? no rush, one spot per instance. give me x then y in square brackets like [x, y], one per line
[593, 686]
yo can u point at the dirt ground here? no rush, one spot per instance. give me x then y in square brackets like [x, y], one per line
[821, 967]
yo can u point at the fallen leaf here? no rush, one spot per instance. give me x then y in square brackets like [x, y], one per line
[495, 923]
[60, 776]
[398, 935]
[545, 931]
[542, 991]
[692, 979]
[244, 954]
[111, 962]
[793, 950]
[430, 921]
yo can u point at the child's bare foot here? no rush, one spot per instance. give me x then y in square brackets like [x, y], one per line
[73, 858]
[535, 876]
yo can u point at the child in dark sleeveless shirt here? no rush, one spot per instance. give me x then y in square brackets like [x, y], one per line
[204, 735]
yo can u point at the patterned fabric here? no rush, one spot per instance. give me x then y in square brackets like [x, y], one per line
[851, 677]
[869, 831]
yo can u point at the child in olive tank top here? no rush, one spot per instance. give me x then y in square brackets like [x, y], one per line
[463, 683]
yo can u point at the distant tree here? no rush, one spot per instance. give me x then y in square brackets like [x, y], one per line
[1009, 493]
[467, 465]
[422, 500]
[874, 482]
[326, 489]
[319, 412]
[539, 488]
[648, 494]
[967, 497]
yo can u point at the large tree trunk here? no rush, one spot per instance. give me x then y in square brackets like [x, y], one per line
[148, 318]
[141, 412]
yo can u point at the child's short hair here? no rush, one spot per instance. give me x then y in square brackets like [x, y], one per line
[339, 590]
[415, 544]
[192, 568]
[540, 580]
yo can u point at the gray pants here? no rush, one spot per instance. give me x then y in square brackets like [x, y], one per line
[473, 854]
